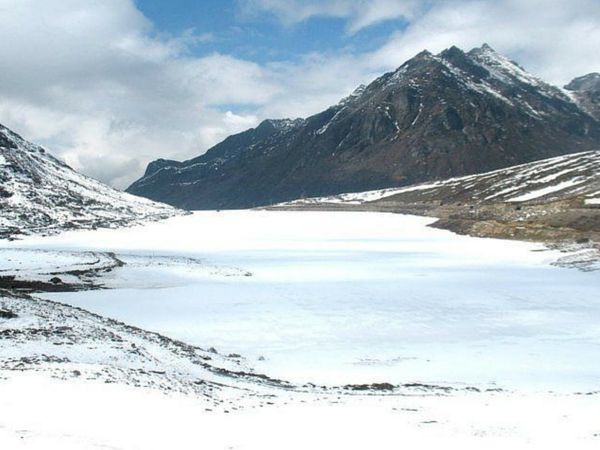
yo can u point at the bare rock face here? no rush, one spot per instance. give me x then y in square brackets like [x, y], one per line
[436, 116]
[586, 90]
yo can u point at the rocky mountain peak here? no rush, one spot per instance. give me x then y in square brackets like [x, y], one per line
[436, 116]
[159, 164]
[452, 52]
[502, 67]
[484, 50]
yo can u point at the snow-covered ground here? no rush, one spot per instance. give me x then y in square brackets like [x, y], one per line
[80, 415]
[342, 298]
[331, 298]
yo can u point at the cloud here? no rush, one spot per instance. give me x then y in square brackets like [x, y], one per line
[554, 39]
[106, 92]
[97, 84]
[360, 13]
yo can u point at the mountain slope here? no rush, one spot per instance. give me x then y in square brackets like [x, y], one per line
[553, 200]
[570, 177]
[435, 117]
[40, 194]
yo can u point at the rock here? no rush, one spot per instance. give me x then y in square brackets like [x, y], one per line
[370, 387]
[6, 314]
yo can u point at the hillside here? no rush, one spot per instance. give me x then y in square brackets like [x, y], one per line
[572, 177]
[40, 194]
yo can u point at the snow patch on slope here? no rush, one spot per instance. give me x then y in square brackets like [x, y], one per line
[357, 198]
[546, 191]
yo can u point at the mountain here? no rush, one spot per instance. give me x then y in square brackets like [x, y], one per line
[552, 200]
[586, 90]
[40, 194]
[435, 117]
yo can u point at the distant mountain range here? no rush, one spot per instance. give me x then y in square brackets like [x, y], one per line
[40, 194]
[435, 117]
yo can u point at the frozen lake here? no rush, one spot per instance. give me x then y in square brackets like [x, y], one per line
[353, 297]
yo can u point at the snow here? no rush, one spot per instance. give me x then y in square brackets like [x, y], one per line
[545, 191]
[37, 412]
[416, 119]
[362, 197]
[507, 71]
[353, 298]
[482, 87]
[332, 298]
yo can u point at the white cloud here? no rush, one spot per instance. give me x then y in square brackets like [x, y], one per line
[554, 39]
[361, 13]
[97, 84]
[92, 82]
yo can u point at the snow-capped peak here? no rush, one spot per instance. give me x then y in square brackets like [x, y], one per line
[506, 70]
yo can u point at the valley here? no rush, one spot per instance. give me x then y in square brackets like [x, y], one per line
[416, 264]
[373, 312]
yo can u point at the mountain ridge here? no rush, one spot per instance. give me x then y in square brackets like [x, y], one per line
[435, 117]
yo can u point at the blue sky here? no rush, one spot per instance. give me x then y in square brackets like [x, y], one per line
[110, 85]
[223, 27]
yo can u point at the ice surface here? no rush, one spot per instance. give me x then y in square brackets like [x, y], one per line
[355, 297]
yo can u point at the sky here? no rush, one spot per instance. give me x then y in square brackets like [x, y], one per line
[110, 85]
